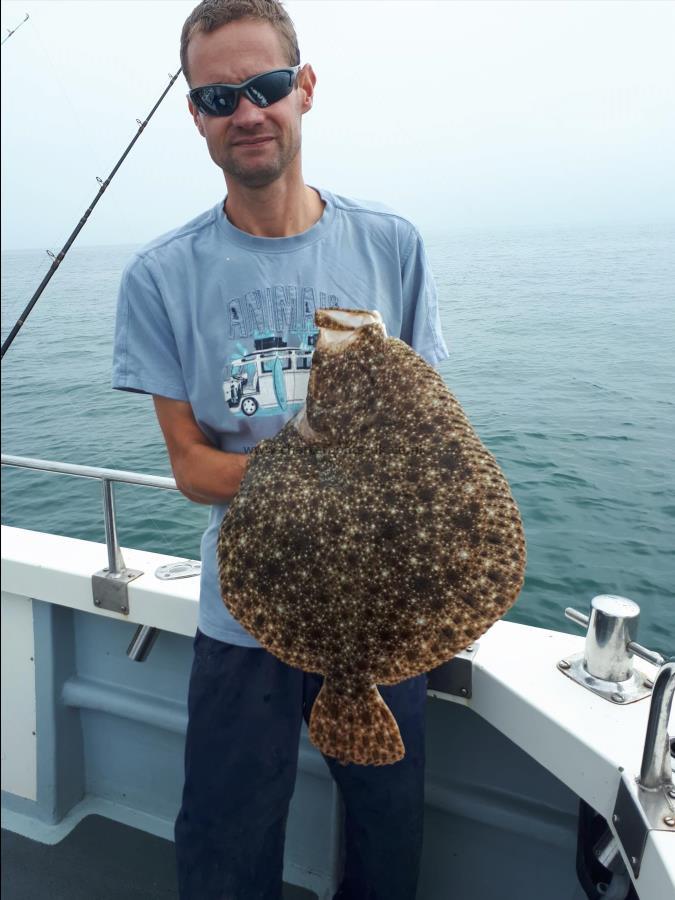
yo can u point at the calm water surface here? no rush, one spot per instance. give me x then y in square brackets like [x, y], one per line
[562, 354]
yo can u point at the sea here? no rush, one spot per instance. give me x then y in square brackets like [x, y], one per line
[562, 343]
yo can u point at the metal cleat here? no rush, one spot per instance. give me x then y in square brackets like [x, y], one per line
[606, 664]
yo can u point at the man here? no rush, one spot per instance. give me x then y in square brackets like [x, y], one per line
[215, 320]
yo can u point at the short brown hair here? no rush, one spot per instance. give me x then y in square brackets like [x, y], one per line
[211, 14]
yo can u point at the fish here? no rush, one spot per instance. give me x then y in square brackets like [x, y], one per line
[373, 538]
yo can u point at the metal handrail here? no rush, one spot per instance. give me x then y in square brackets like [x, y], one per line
[145, 635]
[106, 477]
[47, 465]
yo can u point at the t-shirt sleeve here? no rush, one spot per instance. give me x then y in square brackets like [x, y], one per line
[421, 319]
[145, 355]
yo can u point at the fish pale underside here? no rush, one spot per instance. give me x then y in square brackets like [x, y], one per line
[373, 538]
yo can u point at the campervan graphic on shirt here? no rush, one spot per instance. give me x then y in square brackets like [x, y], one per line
[272, 376]
[271, 379]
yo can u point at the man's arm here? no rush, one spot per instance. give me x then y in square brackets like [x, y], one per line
[203, 473]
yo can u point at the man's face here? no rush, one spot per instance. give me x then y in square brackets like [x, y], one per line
[253, 146]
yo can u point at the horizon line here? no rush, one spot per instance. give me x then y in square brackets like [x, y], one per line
[427, 232]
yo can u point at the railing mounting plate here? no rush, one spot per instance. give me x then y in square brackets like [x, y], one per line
[110, 590]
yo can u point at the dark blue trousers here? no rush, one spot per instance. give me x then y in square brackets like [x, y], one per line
[245, 712]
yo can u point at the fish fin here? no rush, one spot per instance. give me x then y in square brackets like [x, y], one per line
[357, 728]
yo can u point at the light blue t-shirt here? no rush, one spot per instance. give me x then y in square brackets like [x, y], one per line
[214, 316]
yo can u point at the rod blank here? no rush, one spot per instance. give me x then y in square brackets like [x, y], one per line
[58, 259]
[10, 31]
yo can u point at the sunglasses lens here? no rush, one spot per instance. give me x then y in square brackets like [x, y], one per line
[215, 100]
[221, 100]
[270, 87]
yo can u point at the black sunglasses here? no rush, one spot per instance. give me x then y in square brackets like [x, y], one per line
[263, 90]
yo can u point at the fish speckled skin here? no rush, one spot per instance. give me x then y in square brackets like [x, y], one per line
[373, 538]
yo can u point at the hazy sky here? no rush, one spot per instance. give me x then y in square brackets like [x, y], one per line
[455, 113]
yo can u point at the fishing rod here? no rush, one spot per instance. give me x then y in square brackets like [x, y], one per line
[58, 259]
[10, 31]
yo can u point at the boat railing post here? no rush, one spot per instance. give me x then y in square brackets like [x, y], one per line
[115, 559]
[656, 772]
[652, 806]
[110, 585]
[145, 635]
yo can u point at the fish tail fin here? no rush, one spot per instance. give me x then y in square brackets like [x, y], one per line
[357, 727]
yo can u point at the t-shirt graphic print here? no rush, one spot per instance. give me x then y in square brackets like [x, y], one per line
[273, 336]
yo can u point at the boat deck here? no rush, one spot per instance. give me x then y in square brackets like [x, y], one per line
[99, 860]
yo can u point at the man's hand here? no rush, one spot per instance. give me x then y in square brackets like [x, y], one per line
[203, 473]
